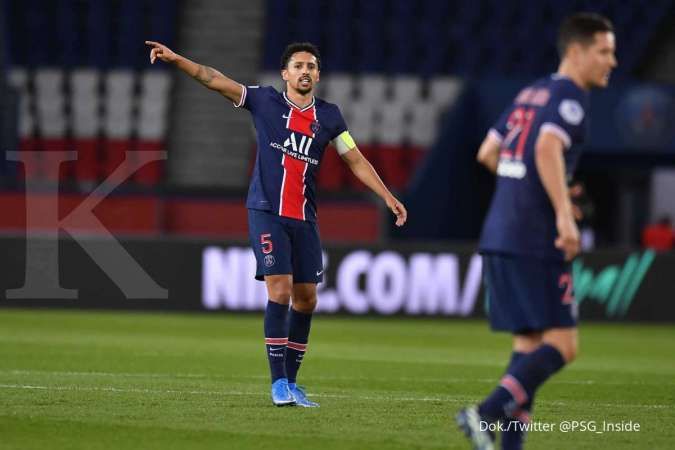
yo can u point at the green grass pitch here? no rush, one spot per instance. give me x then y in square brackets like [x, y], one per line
[85, 380]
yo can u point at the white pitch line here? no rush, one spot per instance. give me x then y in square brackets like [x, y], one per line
[223, 393]
[319, 377]
[105, 374]
[453, 399]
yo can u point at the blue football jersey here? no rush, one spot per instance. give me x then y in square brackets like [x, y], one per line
[290, 144]
[521, 219]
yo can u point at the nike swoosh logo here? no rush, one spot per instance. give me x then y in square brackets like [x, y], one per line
[276, 349]
[319, 272]
[285, 117]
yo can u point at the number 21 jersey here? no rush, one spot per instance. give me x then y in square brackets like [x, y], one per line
[521, 219]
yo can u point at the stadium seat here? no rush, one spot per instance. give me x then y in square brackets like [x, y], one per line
[114, 151]
[98, 32]
[332, 174]
[271, 78]
[392, 164]
[30, 149]
[153, 107]
[278, 14]
[87, 166]
[372, 88]
[79, 83]
[423, 123]
[338, 89]
[151, 173]
[18, 79]
[444, 90]
[406, 89]
[155, 85]
[360, 118]
[67, 36]
[391, 128]
[52, 168]
[118, 123]
[85, 102]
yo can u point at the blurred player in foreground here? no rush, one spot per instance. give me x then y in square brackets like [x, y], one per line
[293, 130]
[530, 236]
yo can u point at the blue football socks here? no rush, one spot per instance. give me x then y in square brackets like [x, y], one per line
[276, 338]
[298, 335]
[512, 436]
[518, 386]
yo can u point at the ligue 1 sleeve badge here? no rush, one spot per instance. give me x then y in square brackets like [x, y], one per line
[315, 127]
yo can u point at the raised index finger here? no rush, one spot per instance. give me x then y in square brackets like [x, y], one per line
[152, 43]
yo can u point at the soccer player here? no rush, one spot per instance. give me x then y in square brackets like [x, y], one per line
[293, 130]
[529, 236]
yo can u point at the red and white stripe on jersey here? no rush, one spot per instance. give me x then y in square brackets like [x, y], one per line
[297, 346]
[276, 341]
[292, 199]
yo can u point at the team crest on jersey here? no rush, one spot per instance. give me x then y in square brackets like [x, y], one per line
[269, 260]
[571, 111]
[315, 127]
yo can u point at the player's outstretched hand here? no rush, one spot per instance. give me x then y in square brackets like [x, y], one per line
[568, 236]
[398, 209]
[160, 51]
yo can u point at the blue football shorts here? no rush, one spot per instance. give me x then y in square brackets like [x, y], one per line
[285, 246]
[526, 294]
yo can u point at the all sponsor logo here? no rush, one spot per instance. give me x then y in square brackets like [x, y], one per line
[300, 146]
[511, 169]
[297, 147]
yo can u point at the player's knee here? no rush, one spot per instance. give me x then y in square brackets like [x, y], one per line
[565, 341]
[527, 343]
[571, 352]
[305, 305]
[568, 349]
[280, 291]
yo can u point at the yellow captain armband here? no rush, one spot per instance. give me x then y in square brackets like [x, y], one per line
[344, 142]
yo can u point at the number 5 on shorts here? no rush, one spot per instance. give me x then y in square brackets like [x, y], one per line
[266, 242]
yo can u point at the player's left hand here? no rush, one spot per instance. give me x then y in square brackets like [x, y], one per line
[568, 240]
[398, 209]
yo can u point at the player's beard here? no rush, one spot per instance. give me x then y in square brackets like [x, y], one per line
[304, 90]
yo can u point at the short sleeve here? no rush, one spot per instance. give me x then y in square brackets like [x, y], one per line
[252, 97]
[340, 126]
[565, 117]
[498, 130]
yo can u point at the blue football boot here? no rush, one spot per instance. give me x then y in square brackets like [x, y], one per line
[300, 397]
[281, 395]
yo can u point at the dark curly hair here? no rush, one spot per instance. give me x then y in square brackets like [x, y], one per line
[296, 47]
